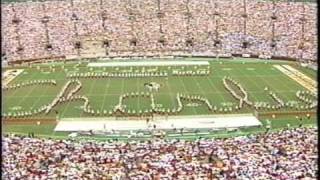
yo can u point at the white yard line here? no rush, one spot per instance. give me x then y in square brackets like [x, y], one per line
[105, 94]
[298, 77]
[13, 94]
[216, 89]
[138, 91]
[218, 93]
[285, 84]
[8, 78]
[301, 75]
[196, 82]
[122, 86]
[65, 109]
[42, 94]
[254, 83]
[170, 93]
[184, 87]
[27, 94]
[91, 87]
[303, 79]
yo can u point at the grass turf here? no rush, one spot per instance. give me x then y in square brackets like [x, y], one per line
[103, 93]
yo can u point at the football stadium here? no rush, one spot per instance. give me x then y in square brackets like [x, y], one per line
[159, 89]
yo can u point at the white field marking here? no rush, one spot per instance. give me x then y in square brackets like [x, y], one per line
[214, 87]
[184, 87]
[203, 93]
[193, 104]
[251, 69]
[226, 103]
[283, 96]
[293, 102]
[254, 82]
[122, 86]
[138, 84]
[226, 69]
[270, 85]
[91, 87]
[10, 74]
[71, 72]
[39, 97]
[15, 108]
[288, 73]
[299, 77]
[27, 94]
[172, 96]
[263, 102]
[149, 63]
[105, 95]
[69, 102]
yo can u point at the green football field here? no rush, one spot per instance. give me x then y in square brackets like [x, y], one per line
[103, 93]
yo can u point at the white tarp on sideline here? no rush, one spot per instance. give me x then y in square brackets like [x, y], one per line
[186, 122]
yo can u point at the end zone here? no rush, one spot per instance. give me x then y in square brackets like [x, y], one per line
[9, 75]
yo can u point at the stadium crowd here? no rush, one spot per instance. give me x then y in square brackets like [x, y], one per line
[285, 154]
[35, 30]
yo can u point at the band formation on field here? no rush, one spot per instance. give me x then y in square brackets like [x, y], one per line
[71, 90]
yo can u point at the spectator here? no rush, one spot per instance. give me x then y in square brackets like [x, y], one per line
[57, 29]
[287, 154]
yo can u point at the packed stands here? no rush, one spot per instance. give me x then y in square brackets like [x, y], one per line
[50, 29]
[286, 154]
